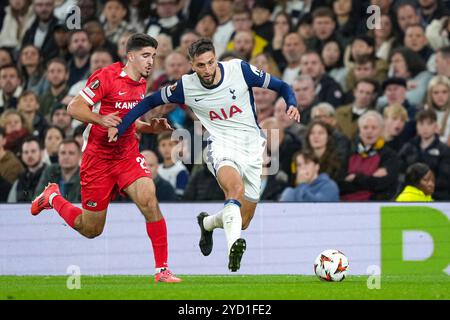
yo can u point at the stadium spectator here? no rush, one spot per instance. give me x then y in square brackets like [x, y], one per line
[65, 173]
[187, 38]
[164, 190]
[223, 10]
[261, 17]
[328, 90]
[165, 47]
[242, 21]
[437, 33]
[365, 67]
[100, 58]
[61, 37]
[23, 188]
[428, 149]
[98, 39]
[32, 70]
[244, 43]
[202, 186]
[397, 129]
[115, 20]
[291, 127]
[324, 28]
[419, 184]
[281, 144]
[10, 88]
[332, 56]
[305, 93]
[430, 10]
[373, 168]
[206, 25]
[438, 99]
[89, 10]
[319, 141]
[395, 93]
[40, 33]
[121, 46]
[28, 106]
[325, 112]
[361, 45]
[172, 170]
[282, 25]
[18, 17]
[443, 62]
[5, 57]
[10, 166]
[365, 94]
[139, 12]
[292, 50]
[80, 48]
[15, 129]
[407, 15]
[265, 62]
[166, 19]
[264, 101]
[61, 119]
[57, 75]
[348, 18]
[52, 139]
[416, 40]
[310, 185]
[384, 38]
[78, 134]
[304, 28]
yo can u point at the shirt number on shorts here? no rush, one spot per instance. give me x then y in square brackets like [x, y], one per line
[142, 163]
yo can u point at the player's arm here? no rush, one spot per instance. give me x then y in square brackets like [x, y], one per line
[172, 94]
[261, 79]
[79, 109]
[156, 125]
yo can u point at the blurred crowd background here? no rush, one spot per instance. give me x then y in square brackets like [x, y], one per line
[373, 89]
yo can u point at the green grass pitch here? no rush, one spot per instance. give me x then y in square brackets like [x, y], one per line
[232, 287]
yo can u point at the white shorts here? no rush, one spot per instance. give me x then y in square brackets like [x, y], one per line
[247, 161]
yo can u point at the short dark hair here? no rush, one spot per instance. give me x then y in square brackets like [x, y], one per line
[200, 47]
[31, 139]
[413, 60]
[60, 61]
[10, 66]
[63, 134]
[321, 12]
[428, 114]
[415, 172]
[366, 58]
[374, 83]
[164, 136]
[141, 40]
[70, 141]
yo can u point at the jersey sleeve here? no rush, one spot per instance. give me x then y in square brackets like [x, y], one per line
[258, 78]
[173, 93]
[255, 77]
[96, 87]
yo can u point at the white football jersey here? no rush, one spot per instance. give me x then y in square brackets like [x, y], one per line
[227, 110]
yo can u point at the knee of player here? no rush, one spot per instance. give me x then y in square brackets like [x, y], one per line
[236, 190]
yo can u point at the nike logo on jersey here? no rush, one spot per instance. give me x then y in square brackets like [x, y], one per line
[197, 100]
[121, 93]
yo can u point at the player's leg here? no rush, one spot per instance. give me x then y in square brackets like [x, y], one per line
[142, 192]
[247, 211]
[88, 223]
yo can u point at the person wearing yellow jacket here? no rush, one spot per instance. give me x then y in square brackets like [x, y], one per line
[420, 182]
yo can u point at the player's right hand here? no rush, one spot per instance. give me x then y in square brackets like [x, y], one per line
[112, 134]
[110, 120]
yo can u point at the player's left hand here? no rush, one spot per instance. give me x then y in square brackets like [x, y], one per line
[293, 113]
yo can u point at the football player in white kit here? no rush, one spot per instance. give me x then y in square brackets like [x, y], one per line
[220, 94]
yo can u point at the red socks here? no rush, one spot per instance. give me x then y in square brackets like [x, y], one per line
[66, 210]
[157, 232]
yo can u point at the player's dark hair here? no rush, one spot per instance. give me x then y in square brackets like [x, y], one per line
[141, 40]
[415, 172]
[200, 47]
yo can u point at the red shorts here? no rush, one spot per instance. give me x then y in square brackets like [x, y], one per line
[102, 178]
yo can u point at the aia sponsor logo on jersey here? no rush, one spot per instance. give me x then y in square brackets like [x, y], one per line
[224, 114]
[126, 104]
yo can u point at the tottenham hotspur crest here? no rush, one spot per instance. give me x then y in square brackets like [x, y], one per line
[232, 93]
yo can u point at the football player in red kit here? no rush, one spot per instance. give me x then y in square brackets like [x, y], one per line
[107, 168]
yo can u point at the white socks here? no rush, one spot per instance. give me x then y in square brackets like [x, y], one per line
[212, 222]
[232, 222]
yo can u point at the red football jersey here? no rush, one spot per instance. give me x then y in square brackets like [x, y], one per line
[109, 90]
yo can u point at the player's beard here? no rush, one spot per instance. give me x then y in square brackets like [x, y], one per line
[210, 82]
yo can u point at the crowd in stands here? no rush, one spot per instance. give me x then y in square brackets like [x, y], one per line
[374, 97]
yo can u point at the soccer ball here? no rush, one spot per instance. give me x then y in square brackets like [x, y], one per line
[331, 265]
